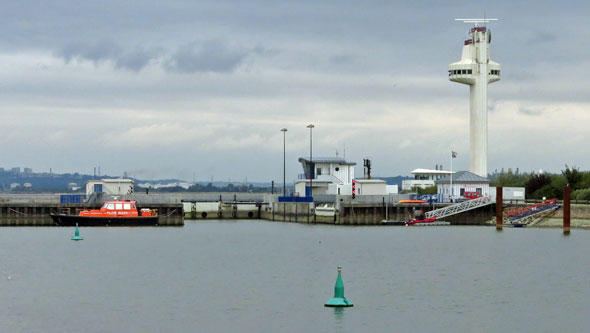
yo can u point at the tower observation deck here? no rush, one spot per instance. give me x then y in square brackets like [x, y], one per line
[477, 70]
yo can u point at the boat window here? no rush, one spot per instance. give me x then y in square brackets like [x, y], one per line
[105, 205]
[126, 206]
[111, 206]
[119, 206]
[134, 206]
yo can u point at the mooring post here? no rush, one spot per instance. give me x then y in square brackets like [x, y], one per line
[499, 202]
[566, 210]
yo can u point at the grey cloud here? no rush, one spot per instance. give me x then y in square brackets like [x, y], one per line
[96, 52]
[341, 59]
[265, 51]
[210, 56]
[492, 104]
[541, 37]
[529, 112]
[134, 59]
[137, 59]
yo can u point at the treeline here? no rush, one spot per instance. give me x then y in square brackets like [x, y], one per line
[208, 188]
[548, 185]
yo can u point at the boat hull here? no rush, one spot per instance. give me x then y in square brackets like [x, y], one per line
[94, 221]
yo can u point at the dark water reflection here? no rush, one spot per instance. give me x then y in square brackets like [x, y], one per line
[257, 276]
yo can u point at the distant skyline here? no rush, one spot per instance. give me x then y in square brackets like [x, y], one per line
[176, 88]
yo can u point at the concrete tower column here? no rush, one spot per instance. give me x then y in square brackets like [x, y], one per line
[477, 70]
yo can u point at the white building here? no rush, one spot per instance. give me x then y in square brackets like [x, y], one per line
[509, 193]
[118, 186]
[333, 176]
[374, 187]
[424, 178]
[328, 175]
[462, 181]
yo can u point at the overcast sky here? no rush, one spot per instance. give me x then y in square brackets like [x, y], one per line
[176, 88]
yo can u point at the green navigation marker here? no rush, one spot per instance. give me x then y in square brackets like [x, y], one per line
[338, 300]
[77, 236]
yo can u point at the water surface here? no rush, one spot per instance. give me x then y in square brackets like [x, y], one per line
[259, 276]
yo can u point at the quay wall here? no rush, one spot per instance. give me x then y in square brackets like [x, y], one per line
[173, 208]
[302, 212]
[222, 210]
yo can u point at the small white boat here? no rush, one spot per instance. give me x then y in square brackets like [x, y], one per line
[325, 210]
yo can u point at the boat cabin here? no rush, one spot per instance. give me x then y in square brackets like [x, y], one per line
[117, 208]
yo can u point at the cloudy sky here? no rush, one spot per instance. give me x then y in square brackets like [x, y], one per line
[176, 88]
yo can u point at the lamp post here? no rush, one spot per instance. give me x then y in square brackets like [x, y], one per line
[284, 130]
[311, 174]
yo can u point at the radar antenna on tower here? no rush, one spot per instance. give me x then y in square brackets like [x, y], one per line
[476, 21]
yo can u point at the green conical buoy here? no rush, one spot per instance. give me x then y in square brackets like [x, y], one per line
[338, 301]
[77, 236]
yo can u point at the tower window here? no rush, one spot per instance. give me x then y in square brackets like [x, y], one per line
[469, 71]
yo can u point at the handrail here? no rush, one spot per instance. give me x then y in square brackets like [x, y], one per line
[459, 207]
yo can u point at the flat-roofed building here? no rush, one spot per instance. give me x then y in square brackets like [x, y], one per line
[424, 178]
[327, 175]
[118, 186]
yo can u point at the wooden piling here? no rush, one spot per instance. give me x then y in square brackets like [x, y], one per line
[566, 210]
[499, 201]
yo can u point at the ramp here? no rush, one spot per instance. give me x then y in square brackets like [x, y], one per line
[533, 210]
[459, 208]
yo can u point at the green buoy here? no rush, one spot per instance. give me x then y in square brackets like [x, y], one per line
[77, 236]
[338, 301]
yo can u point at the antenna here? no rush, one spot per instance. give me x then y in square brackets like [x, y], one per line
[367, 167]
[476, 21]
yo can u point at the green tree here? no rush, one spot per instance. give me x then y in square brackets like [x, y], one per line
[574, 176]
[509, 179]
[535, 183]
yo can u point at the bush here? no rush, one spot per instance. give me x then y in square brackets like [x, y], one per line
[581, 194]
[428, 190]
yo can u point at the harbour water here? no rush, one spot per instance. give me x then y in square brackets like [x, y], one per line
[260, 276]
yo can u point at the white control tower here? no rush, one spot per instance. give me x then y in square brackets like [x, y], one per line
[477, 70]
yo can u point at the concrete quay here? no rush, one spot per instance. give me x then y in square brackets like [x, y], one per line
[342, 210]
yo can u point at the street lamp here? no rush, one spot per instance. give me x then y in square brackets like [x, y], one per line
[310, 126]
[284, 130]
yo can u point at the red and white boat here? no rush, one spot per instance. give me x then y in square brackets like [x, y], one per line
[112, 213]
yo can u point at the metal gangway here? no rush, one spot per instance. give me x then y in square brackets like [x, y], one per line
[533, 210]
[459, 208]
